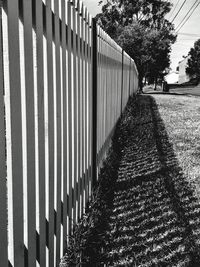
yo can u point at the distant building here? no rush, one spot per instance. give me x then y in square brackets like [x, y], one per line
[172, 77]
[183, 77]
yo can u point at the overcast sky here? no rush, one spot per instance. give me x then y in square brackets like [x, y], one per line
[188, 34]
[92, 6]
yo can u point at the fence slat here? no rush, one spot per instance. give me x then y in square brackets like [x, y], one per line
[90, 104]
[78, 111]
[30, 127]
[3, 184]
[69, 46]
[122, 84]
[83, 107]
[94, 102]
[86, 109]
[16, 130]
[64, 81]
[75, 118]
[58, 124]
[50, 223]
[41, 134]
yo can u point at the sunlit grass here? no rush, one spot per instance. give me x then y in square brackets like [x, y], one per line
[151, 213]
[181, 115]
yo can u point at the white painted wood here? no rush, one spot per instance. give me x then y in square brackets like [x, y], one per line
[51, 133]
[41, 87]
[30, 127]
[6, 74]
[3, 183]
[48, 108]
[16, 132]
[70, 171]
[64, 128]
[58, 128]
[75, 117]
[86, 108]
[78, 112]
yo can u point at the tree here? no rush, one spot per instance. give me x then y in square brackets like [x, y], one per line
[193, 69]
[141, 29]
[149, 13]
[150, 49]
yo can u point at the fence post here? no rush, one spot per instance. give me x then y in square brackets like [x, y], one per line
[94, 102]
[122, 81]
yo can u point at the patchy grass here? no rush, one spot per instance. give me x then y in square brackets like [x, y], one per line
[188, 90]
[156, 217]
[148, 212]
[89, 239]
[181, 116]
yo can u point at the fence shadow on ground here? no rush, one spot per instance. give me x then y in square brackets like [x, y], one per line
[155, 217]
[145, 212]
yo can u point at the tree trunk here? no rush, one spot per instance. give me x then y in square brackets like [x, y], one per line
[155, 85]
[145, 80]
[140, 84]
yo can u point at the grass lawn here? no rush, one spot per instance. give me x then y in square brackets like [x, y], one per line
[181, 116]
[189, 90]
[147, 210]
[155, 219]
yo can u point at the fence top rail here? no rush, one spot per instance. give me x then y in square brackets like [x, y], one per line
[108, 40]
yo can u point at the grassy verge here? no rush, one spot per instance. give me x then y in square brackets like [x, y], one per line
[146, 208]
[90, 237]
[181, 116]
[156, 217]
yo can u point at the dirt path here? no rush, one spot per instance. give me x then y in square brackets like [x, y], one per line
[155, 219]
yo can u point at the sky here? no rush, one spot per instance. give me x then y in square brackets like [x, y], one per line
[92, 6]
[188, 34]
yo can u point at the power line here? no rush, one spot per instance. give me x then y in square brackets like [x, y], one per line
[188, 17]
[189, 34]
[174, 8]
[187, 14]
[193, 40]
[179, 10]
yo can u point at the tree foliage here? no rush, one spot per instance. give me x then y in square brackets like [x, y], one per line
[150, 49]
[140, 27]
[149, 13]
[193, 68]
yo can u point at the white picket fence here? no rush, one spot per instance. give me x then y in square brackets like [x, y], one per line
[63, 85]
